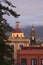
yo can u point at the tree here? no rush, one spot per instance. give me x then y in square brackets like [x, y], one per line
[4, 27]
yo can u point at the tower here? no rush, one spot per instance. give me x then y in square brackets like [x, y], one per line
[32, 36]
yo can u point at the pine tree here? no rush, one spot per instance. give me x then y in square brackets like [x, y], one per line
[5, 50]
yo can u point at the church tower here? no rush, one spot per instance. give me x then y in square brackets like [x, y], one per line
[32, 36]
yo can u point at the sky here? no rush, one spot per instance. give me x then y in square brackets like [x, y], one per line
[31, 12]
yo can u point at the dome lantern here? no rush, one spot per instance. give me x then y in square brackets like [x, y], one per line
[17, 24]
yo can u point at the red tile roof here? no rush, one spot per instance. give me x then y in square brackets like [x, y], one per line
[17, 30]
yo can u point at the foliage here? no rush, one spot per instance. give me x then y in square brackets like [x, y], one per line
[5, 50]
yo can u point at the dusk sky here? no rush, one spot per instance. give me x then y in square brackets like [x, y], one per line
[31, 12]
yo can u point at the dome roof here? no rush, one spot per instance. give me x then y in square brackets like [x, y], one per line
[17, 30]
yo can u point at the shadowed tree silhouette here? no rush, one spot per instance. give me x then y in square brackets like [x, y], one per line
[5, 50]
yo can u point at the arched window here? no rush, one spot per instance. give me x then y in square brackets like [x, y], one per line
[17, 35]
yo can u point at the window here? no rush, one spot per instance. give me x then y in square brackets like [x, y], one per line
[34, 62]
[20, 45]
[23, 61]
[17, 35]
[41, 61]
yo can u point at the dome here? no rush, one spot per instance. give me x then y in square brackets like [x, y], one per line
[17, 30]
[17, 33]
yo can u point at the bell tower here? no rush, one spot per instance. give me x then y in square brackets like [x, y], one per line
[32, 36]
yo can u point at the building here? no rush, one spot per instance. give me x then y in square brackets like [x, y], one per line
[17, 40]
[32, 55]
[26, 50]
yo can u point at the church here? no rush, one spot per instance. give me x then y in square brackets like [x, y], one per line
[26, 51]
